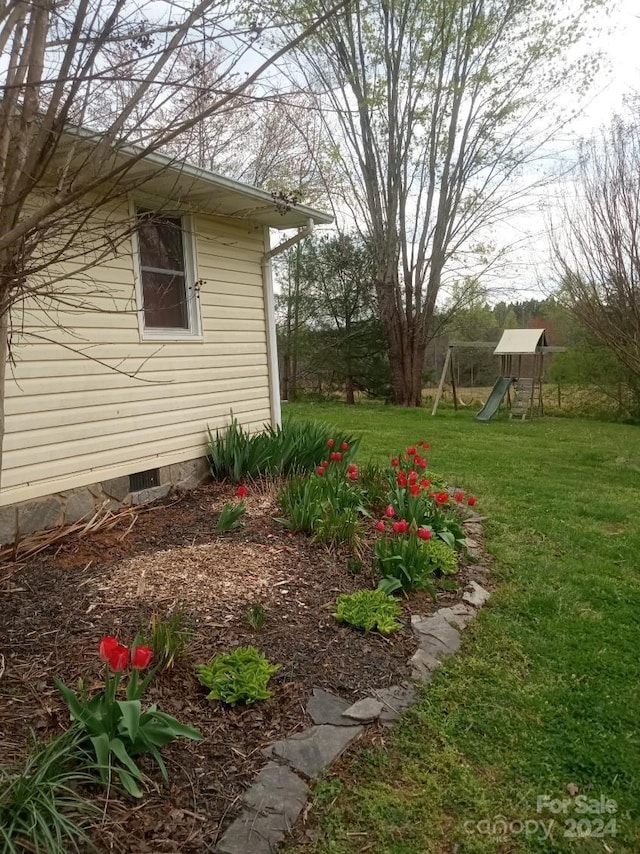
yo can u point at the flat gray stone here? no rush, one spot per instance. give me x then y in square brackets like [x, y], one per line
[8, 525]
[474, 549]
[473, 528]
[116, 487]
[274, 803]
[477, 596]
[364, 710]
[314, 749]
[277, 789]
[395, 700]
[80, 505]
[254, 833]
[153, 493]
[459, 615]
[423, 665]
[438, 628]
[39, 515]
[326, 708]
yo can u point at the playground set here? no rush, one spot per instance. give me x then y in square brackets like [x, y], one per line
[521, 353]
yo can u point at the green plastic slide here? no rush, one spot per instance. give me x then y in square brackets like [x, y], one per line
[500, 388]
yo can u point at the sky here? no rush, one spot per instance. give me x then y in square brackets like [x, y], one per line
[528, 272]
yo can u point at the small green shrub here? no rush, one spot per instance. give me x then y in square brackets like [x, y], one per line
[169, 639]
[230, 516]
[369, 609]
[40, 808]
[256, 616]
[240, 676]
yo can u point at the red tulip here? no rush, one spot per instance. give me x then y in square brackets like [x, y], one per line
[426, 446]
[390, 512]
[413, 476]
[106, 646]
[380, 525]
[141, 657]
[442, 497]
[401, 480]
[402, 526]
[411, 451]
[395, 462]
[320, 470]
[471, 500]
[425, 482]
[119, 658]
[459, 496]
[352, 467]
[353, 475]
[242, 492]
[396, 527]
[414, 489]
[325, 463]
[424, 533]
[330, 443]
[345, 446]
[333, 456]
[338, 456]
[422, 464]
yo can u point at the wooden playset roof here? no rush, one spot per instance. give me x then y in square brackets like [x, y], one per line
[520, 342]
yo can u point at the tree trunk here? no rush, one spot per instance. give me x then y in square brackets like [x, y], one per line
[348, 389]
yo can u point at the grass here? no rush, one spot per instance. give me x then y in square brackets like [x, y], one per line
[545, 691]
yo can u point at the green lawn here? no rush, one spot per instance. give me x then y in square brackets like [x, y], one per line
[545, 691]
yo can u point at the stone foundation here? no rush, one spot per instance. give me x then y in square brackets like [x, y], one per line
[66, 508]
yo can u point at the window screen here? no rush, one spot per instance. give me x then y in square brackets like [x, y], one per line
[163, 272]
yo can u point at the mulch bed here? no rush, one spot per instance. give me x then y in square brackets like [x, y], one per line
[56, 605]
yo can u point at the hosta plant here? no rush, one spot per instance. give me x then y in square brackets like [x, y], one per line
[368, 610]
[119, 729]
[240, 676]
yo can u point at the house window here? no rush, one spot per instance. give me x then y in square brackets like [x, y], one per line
[167, 276]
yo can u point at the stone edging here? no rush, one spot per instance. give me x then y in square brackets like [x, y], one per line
[278, 795]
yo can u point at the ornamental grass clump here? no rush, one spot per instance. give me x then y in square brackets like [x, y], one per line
[368, 610]
[328, 502]
[40, 807]
[293, 448]
[240, 676]
[116, 730]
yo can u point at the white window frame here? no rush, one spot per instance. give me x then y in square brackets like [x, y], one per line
[194, 316]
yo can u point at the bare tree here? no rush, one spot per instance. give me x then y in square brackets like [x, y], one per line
[597, 247]
[434, 110]
[103, 65]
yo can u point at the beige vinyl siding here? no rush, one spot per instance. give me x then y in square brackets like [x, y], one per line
[89, 400]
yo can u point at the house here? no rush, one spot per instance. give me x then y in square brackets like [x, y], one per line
[112, 404]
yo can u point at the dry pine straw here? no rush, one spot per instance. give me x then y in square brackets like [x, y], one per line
[56, 606]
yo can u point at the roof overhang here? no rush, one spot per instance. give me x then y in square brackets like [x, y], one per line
[174, 183]
[520, 342]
